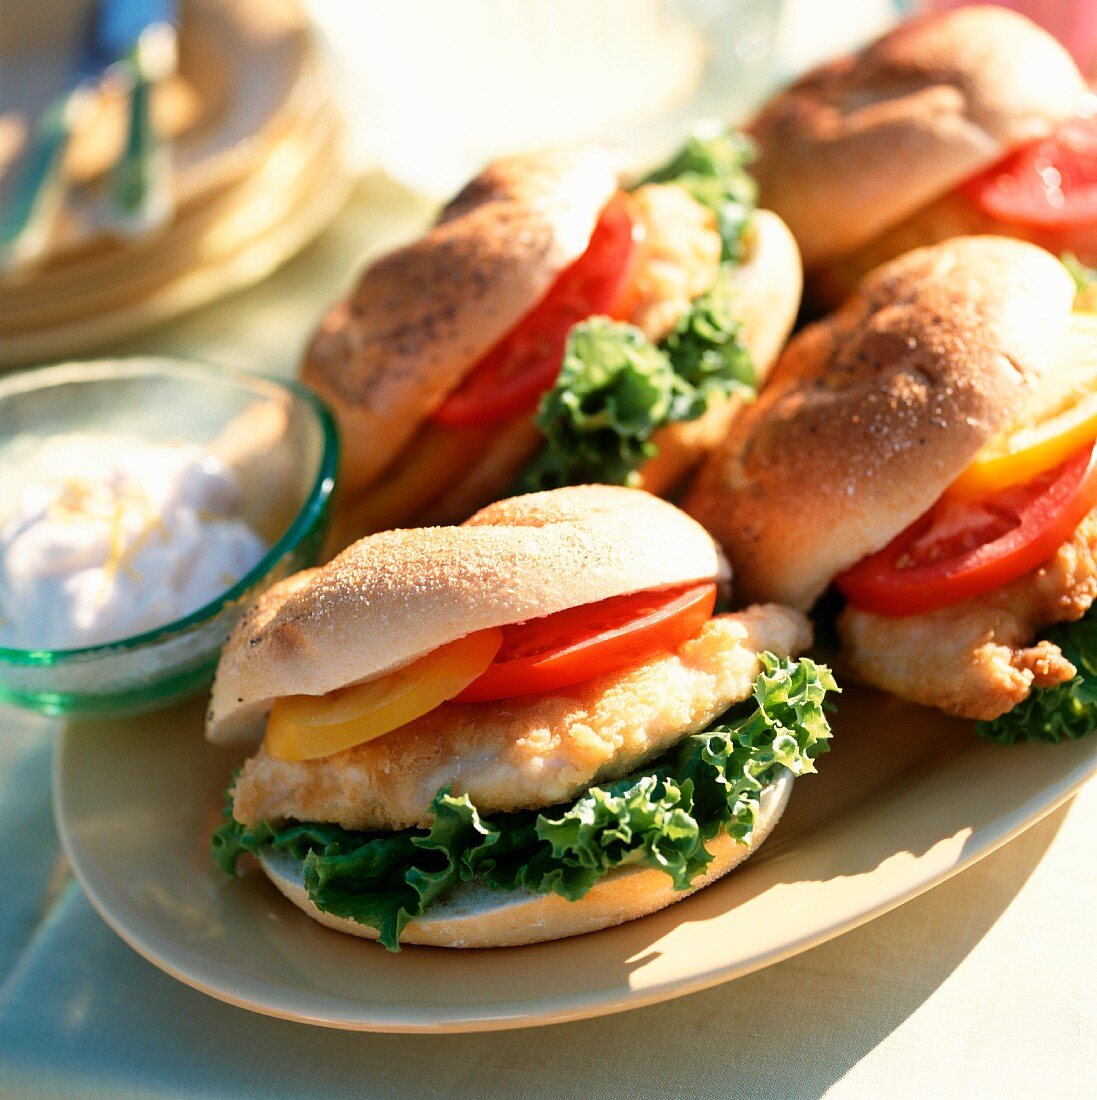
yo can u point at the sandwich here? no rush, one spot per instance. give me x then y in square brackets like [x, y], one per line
[554, 328]
[926, 453]
[526, 727]
[969, 121]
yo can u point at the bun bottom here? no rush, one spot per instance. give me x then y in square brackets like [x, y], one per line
[473, 915]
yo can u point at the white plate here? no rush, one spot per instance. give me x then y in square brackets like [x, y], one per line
[905, 799]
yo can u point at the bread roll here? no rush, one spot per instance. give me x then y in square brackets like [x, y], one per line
[862, 142]
[398, 595]
[873, 412]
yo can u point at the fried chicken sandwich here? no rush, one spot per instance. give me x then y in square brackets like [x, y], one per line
[955, 123]
[526, 727]
[929, 450]
[555, 326]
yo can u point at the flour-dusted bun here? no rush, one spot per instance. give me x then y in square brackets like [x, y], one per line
[473, 915]
[874, 411]
[862, 142]
[398, 595]
[386, 357]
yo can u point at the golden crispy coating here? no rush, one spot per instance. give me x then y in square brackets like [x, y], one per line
[977, 659]
[678, 260]
[526, 753]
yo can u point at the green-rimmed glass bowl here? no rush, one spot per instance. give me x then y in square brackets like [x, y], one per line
[278, 438]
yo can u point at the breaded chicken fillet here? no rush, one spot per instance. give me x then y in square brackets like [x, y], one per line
[530, 751]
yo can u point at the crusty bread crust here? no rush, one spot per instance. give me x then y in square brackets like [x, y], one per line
[473, 915]
[862, 142]
[952, 215]
[395, 596]
[874, 411]
[387, 356]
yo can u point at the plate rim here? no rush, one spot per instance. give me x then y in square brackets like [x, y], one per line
[553, 1009]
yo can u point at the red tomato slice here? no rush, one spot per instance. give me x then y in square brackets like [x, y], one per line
[1051, 184]
[963, 548]
[511, 377]
[583, 642]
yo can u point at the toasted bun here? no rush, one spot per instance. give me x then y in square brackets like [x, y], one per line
[862, 142]
[874, 411]
[768, 285]
[387, 356]
[473, 915]
[395, 596]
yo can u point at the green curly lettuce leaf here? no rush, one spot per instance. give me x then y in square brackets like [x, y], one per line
[1065, 712]
[616, 389]
[707, 353]
[712, 167]
[660, 816]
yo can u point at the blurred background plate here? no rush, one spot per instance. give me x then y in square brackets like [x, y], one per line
[258, 170]
[906, 798]
[637, 73]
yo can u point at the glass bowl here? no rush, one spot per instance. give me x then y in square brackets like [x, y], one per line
[278, 438]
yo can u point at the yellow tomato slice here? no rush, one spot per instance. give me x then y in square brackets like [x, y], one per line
[1033, 449]
[1030, 451]
[306, 727]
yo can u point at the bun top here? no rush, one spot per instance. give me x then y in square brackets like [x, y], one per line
[872, 412]
[862, 142]
[395, 596]
[388, 354]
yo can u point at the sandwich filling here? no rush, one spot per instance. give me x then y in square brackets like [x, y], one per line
[620, 382]
[947, 612]
[611, 737]
[639, 332]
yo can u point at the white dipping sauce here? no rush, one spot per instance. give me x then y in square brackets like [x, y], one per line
[107, 536]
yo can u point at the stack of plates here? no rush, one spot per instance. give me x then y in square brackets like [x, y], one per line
[256, 146]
